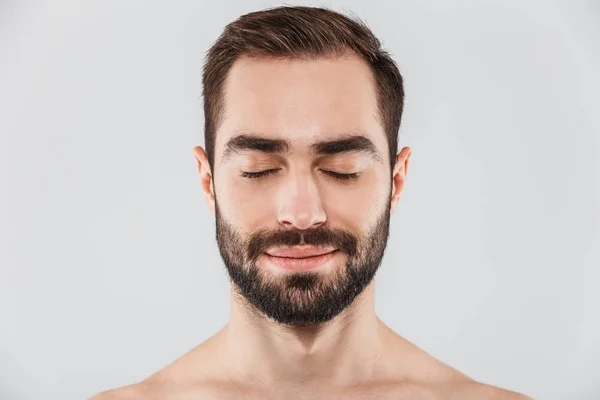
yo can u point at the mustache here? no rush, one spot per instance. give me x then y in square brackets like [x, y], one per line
[262, 240]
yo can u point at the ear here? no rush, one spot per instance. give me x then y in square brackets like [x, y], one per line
[398, 176]
[206, 178]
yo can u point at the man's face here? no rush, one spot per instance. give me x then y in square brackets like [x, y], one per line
[301, 200]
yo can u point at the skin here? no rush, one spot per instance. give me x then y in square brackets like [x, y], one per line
[353, 355]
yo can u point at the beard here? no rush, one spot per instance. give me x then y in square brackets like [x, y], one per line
[301, 298]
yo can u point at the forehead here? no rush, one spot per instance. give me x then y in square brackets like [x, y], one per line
[300, 100]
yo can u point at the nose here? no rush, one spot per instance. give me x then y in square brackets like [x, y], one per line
[300, 204]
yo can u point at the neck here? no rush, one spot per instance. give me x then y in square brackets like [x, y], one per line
[341, 352]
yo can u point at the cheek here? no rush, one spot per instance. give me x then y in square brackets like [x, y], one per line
[355, 208]
[243, 203]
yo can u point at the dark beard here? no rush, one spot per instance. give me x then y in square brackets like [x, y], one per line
[302, 298]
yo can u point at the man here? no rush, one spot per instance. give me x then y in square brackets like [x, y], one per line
[302, 113]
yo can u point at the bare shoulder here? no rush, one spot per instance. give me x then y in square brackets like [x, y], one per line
[435, 379]
[153, 389]
[180, 390]
[472, 390]
[165, 384]
[184, 377]
[136, 391]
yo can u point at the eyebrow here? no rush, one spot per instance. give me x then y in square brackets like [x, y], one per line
[354, 143]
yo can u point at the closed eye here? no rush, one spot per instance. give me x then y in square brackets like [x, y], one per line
[342, 177]
[255, 175]
[336, 175]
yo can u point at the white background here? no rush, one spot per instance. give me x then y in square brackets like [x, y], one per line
[109, 269]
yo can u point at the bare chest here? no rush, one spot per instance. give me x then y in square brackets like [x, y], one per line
[379, 392]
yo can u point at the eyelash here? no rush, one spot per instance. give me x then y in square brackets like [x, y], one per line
[342, 177]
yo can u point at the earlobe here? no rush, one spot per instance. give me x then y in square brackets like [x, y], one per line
[398, 176]
[206, 178]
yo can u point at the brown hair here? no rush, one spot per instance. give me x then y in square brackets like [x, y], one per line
[300, 32]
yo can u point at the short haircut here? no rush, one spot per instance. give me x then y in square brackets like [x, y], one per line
[300, 32]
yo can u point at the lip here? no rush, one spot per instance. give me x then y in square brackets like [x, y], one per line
[301, 263]
[300, 251]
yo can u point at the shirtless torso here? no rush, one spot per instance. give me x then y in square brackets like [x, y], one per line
[410, 374]
[205, 390]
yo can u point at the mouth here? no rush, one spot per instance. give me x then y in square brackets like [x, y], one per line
[301, 263]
